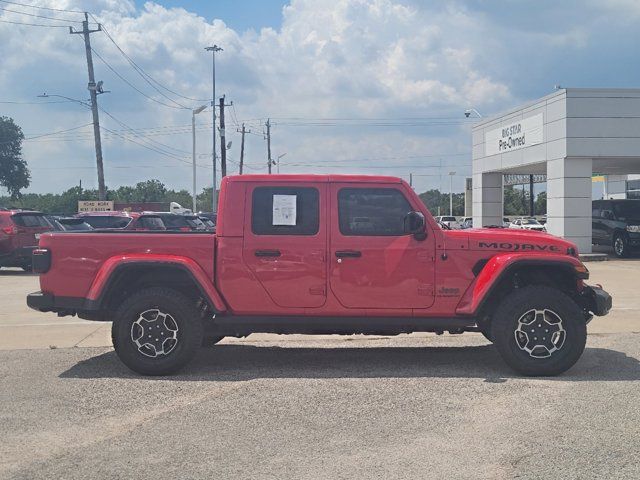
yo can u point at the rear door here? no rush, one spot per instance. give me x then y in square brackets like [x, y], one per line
[285, 242]
[373, 263]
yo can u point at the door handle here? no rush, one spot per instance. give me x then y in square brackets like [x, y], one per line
[267, 253]
[348, 253]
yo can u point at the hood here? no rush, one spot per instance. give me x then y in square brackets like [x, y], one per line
[506, 240]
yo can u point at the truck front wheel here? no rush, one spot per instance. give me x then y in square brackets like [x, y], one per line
[156, 331]
[539, 331]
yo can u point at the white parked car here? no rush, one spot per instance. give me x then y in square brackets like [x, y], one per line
[506, 223]
[527, 224]
[449, 221]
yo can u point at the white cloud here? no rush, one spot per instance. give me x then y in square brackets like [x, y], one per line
[329, 58]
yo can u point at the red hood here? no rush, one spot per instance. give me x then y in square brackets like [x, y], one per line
[506, 240]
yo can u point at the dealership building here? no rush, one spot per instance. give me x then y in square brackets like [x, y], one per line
[570, 136]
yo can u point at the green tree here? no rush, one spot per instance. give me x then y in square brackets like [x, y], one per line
[14, 173]
[541, 203]
[150, 191]
[434, 200]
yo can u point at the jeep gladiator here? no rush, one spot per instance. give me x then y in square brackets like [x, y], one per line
[321, 254]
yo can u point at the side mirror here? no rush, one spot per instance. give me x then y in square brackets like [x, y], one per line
[414, 224]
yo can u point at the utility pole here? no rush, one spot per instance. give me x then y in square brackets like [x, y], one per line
[243, 131]
[93, 92]
[223, 143]
[411, 180]
[268, 124]
[213, 51]
[451, 174]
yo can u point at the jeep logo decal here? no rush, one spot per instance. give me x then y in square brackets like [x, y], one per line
[519, 246]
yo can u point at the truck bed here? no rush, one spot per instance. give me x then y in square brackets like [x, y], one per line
[76, 258]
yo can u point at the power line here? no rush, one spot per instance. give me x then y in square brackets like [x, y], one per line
[34, 103]
[34, 24]
[145, 76]
[179, 107]
[39, 16]
[41, 8]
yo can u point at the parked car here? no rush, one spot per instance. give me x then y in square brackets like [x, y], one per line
[303, 265]
[616, 223]
[527, 223]
[123, 220]
[506, 223]
[466, 222]
[448, 220]
[20, 232]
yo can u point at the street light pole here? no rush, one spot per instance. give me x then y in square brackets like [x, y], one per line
[193, 136]
[451, 174]
[278, 162]
[213, 51]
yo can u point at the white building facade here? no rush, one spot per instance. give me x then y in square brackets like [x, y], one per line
[568, 135]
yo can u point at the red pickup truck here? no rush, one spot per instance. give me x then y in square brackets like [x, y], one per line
[322, 254]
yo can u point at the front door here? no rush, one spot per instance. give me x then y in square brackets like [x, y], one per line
[285, 242]
[373, 263]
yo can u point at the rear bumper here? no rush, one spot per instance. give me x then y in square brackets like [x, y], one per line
[46, 302]
[597, 300]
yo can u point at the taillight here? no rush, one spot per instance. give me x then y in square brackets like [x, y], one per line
[12, 230]
[41, 260]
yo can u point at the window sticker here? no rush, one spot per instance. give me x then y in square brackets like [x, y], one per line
[284, 209]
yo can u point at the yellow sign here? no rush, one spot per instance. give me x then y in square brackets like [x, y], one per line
[95, 206]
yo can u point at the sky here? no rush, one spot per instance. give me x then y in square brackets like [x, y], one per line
[349, 86]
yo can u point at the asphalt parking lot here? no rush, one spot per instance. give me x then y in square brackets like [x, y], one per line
[412, 406]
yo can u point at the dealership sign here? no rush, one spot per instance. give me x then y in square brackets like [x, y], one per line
[514, 136]
[95, 206]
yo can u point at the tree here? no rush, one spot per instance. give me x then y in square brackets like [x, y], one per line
[14, 174]
[150, 191]
[541, 203]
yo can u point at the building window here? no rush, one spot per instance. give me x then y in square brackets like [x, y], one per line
[633, 189]
[372, 211]
[285, 211]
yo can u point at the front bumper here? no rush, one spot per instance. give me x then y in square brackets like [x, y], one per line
[597, 300]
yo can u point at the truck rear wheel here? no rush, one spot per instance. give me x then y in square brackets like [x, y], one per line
[156, 331]
[539, 331]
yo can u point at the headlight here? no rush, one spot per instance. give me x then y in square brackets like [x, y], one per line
[633, 228]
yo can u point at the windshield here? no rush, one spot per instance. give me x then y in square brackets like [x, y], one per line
[30, 220]
[530, 221]
[628, 209]
[448, 219]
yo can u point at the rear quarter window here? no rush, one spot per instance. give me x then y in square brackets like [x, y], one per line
[30, 221]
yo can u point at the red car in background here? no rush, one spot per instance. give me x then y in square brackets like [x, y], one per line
[123, 221]
[19, 234]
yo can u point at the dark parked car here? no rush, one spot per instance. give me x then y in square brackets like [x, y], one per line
[19, 235]
[616, 223]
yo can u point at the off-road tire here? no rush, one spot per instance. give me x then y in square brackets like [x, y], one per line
[505, 323]
[186, 317]
[620, 245]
